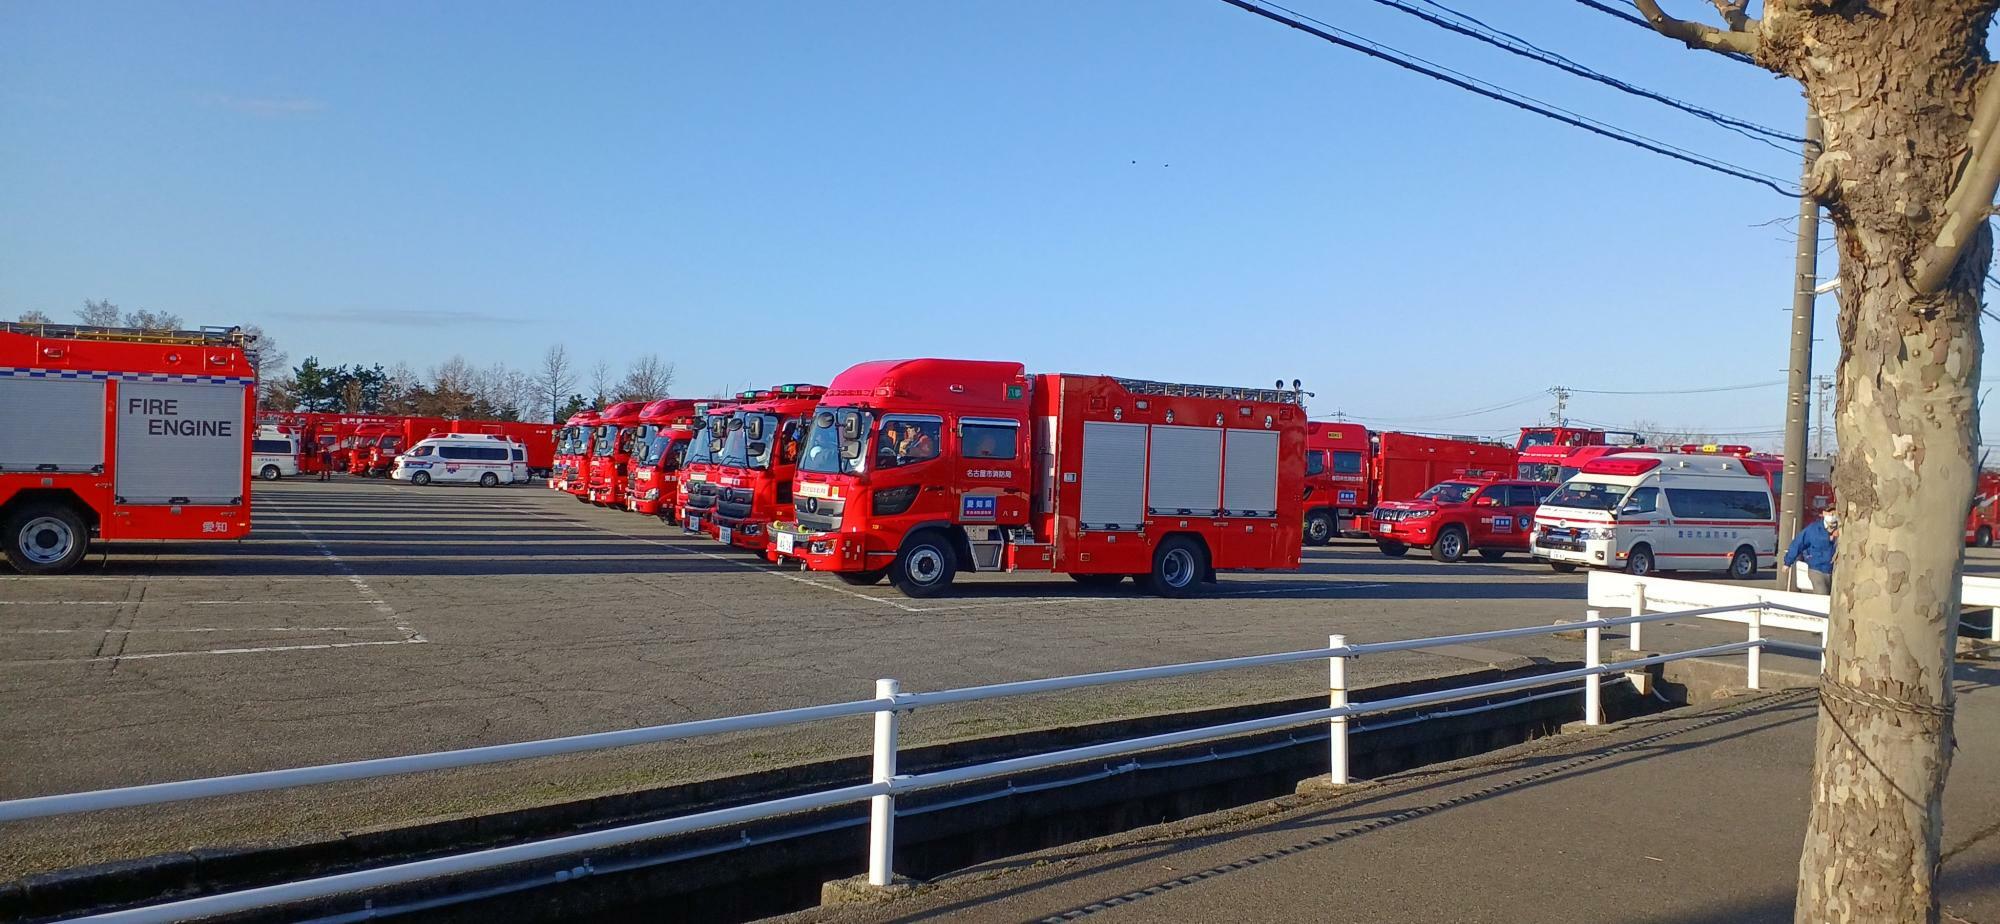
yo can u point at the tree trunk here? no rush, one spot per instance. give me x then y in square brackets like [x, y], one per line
[1893, 83]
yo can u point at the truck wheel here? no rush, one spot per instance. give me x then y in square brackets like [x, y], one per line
[1179, 564]
[862, 578]
[45, 538]
[1983, 538]
[1563, 567]
[1097, 580]
[1450, 545]
[420, 479]
[1492, 554]
[925, 566]
[1319, 528]
[1391, 548]
[489, 480]
[1640, 561]
[1743, 565]
[270, 473]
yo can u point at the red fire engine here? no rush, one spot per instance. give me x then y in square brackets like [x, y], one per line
[377, 456]
[665, 428]
[698, 490]
[760, 455]
[1337, 486]
[1533, 437]
[919, 469]
[1984, 521]
[610, 453]
[121, 434]
[572, 453]
[1554, 453]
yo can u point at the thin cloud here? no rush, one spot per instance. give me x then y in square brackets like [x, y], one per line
[269, 107]
[394, 317]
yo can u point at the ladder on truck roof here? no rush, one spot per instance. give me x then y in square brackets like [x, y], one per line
[206, 336]
[1229, 392]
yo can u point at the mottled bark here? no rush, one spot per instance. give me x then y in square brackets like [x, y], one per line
[1894, 83]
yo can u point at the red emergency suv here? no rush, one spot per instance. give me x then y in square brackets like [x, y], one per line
[1455, 518]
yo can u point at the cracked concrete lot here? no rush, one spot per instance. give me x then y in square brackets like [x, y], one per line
[367, 619]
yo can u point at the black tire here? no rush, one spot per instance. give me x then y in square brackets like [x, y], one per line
[925, 566]
[1320, 528]
[1392, 549]
[489, 480]
[1640, 561]
[1743, 564]
[1563, 567]
[581, 498]
[862, 578]
[270, 473]
[45, 537]
[1983, 538]
[420, 479]
[1179, 565]
[1493, 554]
[1097, 580]
[1451, 545]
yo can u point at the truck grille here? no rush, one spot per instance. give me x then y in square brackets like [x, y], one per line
[735, 504]
[701, 496]
[819, 514]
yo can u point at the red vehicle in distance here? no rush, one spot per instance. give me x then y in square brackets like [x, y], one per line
[1337, 478]
[760, 455]
[568, 470]
[666, 427]
[611, 453]
[698, 490]
[1456, 518]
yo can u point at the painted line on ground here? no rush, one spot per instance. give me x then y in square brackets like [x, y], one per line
[368, 594]
[198, 629]
[216, 651]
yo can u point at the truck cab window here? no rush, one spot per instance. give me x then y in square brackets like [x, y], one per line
[986, 440]
[1643, 500]
[1347, 463]
[1315, 462]
[907, 441]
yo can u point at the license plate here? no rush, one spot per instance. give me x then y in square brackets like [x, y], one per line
[1387, 528]
[722, 535]
[783, 541]
[693, 523]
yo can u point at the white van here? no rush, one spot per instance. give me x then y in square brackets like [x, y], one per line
[480, 458]
[274, 454]
[1649, 511]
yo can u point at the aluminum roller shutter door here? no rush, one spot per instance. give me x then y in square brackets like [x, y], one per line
[1114, 476]
[51, 424]
[190, 450]
[1250, 473]
[1185, 477]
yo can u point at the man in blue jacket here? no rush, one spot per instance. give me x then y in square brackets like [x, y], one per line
[1811, 554]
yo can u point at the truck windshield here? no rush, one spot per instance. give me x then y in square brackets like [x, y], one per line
[735, 445]
[1537, 438]
[607, 439]
[697, 449]
[1450, 492]
[1587, 495]
[822, 442]
[391, 443]
[760, 450]
[659, 446]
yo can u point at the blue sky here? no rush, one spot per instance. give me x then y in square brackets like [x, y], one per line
[1175, 190]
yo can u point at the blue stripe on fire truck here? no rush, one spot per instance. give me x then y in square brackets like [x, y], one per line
[94, 376]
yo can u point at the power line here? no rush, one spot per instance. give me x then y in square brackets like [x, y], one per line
[1514, 44]
[1679, 391]
[1501, 94]
[1432, 418]
[1641, 22]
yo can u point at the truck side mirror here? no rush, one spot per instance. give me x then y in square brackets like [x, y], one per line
[850, 428]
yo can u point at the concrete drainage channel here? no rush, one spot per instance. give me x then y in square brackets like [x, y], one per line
[758, 870]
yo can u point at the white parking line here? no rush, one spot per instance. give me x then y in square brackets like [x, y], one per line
[1295, 590]
[214, 651]
[368, 594]
[196, 629]
[156, 601]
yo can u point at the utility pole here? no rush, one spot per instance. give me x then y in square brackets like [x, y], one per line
[1791, 509]
[1824, 389]
[1560, 416]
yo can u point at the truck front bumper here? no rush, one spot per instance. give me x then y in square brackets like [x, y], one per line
[839, 552]
[1418, 533]
[1602, 553]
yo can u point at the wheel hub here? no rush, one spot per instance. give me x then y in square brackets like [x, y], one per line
[1177, 568]
[46, 540]
[925, 565]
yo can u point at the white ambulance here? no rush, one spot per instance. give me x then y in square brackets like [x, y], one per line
[1643, 512]
[484, 459]
[274, 454]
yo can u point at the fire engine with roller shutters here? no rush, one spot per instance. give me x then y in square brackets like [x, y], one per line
[120, 434]
[918, 470]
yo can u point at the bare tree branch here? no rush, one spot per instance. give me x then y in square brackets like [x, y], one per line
[1734, 16]
[1698, 35]
[1971, 201]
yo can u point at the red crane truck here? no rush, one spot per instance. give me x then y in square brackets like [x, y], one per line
[1337, 476]
[120, 434]
[611, 453]
[572, 452]
[665, 428]
[760, 457]
[920, 469]
[698, 490]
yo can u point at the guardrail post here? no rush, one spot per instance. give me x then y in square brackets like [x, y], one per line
[1753, 656]
[1593, 692]
[1336, 683]
[882, 808]
[1638, 609]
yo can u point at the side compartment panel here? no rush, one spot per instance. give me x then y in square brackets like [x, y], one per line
[1250, 482]
[51, 425]
[1186, 475]
[180, 443]
[1114, 476]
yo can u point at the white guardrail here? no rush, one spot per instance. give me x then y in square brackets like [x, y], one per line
[1785, 610]
[886, 783]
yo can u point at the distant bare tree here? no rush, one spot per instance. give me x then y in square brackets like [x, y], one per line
[99, 313]
[32, 316]
[600, 382]
[648, 378]
[1666, 437]
[556, 379]
[148, 319]
[265, 357]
